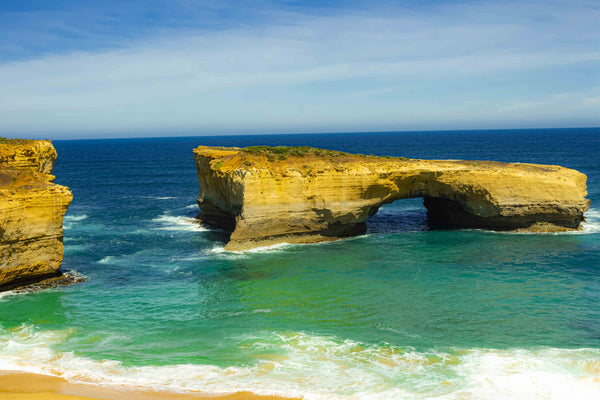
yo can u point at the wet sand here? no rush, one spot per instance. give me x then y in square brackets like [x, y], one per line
[25, 386]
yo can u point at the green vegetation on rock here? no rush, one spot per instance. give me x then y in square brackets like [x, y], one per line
[283, 152]
[4, 140]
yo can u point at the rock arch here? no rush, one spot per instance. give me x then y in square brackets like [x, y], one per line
[265, 196]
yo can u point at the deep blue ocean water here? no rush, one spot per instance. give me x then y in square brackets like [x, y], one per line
[401, 312]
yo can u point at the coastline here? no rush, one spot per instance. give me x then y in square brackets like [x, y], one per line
[16, 385]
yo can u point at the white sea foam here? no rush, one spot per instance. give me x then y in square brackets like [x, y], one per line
[590, 226]
[178, 223]
[160, 197]
[107, 260]
[324, 367]
[592, 221]
[275, 248]
[74, 247]
[192, 206]
[219, 250]
[398, 331]
[266, 249]
[8, 293]
[257, 311]
[525, 374]
[71, 275]
[147, 258]
[71, 218]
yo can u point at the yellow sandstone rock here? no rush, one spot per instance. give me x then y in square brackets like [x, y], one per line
[32, 208]
[268, 195]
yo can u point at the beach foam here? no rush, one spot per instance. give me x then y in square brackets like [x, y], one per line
[323, 367]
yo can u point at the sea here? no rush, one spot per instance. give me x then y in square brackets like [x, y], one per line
[401, 312]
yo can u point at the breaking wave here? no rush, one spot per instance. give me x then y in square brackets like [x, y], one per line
[326, 367]
[178, 223]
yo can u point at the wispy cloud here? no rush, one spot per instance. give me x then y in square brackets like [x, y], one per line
[388, 68]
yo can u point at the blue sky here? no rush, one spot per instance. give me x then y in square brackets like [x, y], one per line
[78, 69]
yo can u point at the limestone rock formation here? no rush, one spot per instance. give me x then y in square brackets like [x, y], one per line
[32, 208]
[269, 195]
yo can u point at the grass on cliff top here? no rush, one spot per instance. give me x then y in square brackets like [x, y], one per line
[4, 140]
[283, 152]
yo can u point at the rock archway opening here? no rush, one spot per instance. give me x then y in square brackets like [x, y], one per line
[416, 214]
[404, 215]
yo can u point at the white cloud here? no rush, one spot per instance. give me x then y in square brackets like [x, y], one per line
[197, 79]
[592, 101]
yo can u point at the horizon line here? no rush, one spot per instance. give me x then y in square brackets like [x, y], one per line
[321, 133]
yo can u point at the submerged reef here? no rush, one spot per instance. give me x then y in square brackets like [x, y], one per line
[267, 195]
[32, 208]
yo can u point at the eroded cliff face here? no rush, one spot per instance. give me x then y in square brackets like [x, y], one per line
[32, 208]
[272, 195]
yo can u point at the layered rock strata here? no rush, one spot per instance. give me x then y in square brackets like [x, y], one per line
[32, 208]
[265, 196]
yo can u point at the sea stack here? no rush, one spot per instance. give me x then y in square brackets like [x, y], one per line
[32, 208]
[268, 195]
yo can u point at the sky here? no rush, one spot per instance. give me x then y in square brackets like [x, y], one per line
[115, 68]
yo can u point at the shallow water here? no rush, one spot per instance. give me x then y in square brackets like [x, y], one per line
[401, 312]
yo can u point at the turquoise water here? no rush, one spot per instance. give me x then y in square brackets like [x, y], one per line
[401, 312]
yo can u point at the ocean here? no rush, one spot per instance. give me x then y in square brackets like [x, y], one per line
[402, 312]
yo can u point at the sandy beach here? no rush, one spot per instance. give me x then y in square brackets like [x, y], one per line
[25, 386]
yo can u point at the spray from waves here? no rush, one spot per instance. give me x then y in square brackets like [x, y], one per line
[326, 367]
[178, 223]
[592, 222]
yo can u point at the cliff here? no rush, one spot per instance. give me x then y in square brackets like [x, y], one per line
[269, 195]
[32, 208]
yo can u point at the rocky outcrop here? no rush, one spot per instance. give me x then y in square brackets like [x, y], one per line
[32, 208]
[268, 195]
